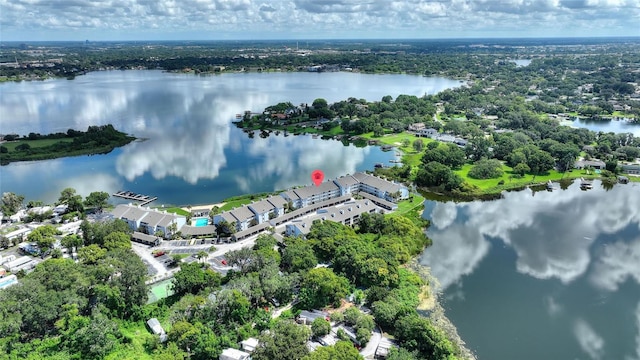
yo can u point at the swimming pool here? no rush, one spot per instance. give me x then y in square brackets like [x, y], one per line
[8, 281]
[200, 222]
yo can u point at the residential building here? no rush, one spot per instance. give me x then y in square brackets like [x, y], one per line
[234, 354]
[148, 220]
[430, 133]
[241, 216]
[633, 169]
[145, 239]
[249, 345]
[347, 184]
[416, 127]
[381, 188]
[262, 210]
[595, 164]
[348, 214]
[309, 195]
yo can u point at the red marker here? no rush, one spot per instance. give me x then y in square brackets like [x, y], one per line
[317, 177]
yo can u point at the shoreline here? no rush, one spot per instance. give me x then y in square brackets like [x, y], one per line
[190, 208]
[431, 308]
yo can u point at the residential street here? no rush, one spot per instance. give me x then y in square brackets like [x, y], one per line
[369, 351]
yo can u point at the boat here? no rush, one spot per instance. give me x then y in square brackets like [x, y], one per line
[378, 165]
[586, 184]
[549, 186]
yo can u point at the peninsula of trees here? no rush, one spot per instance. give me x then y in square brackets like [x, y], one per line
[96, 140]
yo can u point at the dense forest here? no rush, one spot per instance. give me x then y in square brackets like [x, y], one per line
[96, 140]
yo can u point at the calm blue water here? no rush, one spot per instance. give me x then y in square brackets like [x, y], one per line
[615, 126]
[192, 153]
[542, 276]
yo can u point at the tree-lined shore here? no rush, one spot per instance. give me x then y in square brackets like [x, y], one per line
[96, 140]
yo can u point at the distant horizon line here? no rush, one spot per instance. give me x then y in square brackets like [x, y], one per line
[337, 39]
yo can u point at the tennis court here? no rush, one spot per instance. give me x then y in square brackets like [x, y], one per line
[160, 290]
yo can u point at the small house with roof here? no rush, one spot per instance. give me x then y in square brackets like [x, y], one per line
[156, 329]
[595, 164]
[249, 345]
[234, 354]
[631, 169]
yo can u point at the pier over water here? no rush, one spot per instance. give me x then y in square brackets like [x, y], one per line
[143, 199]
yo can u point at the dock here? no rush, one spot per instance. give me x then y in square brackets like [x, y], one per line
[143, 199]
[585, 184]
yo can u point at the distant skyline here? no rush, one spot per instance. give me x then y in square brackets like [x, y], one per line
[117, 20]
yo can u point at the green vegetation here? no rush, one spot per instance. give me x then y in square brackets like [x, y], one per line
[177, 210]
[96, 140]
[75, 304]
[237, 201]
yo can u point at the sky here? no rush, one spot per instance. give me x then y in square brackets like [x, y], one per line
[101, 20]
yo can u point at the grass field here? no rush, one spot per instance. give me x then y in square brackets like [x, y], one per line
[410, 156]
[406, 206]
[492, 186]
[234, 204]
[176, 210]
[11, 145]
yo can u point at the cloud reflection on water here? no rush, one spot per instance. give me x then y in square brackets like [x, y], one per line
[551, 233]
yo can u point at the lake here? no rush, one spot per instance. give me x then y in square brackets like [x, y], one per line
[546, 275]
[192, 154]
[616, 126]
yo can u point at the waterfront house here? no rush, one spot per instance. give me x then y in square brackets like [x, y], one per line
[430, 133]
[416, 127]
[347, 184]
[631, 169]
[309, 195]
[381, 188]
[291, 195]
[595, 164]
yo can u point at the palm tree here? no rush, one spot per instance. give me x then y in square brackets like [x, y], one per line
[201, 255]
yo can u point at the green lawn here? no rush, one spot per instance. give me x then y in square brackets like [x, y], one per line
[235, 203]
[11, 145]
[622, 114]
[176, 210]
[406, 206]
[410, 156]
[490, 186]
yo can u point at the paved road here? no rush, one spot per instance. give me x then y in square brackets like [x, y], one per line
[143, 252]
[369, 351]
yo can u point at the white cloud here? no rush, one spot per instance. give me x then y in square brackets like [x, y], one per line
[456, 252]
[211, 19]
[552, 235]
[590, 342]
[444, 214]
[552, 306]
[617, 263]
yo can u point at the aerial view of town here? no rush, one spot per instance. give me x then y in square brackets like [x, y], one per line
[315, 180]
